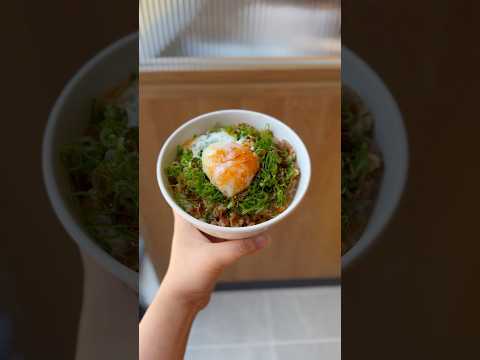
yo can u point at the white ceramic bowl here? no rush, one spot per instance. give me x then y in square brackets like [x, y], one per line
[391, 137]
[206, 122]
[67, 122]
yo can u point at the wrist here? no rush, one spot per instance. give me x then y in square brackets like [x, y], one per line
[178, 296]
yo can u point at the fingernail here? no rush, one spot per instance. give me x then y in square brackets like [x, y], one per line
[261, 241]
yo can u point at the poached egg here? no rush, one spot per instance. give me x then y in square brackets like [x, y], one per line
[229, 164]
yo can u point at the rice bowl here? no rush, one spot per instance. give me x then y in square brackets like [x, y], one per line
[226, 118]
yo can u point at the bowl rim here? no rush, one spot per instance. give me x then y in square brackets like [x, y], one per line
[232, 230]
[57, 201]
[373, 230]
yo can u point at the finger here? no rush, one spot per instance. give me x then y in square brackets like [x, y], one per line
[187, 231]
[232, 250]
[180, 222]
[213, 239]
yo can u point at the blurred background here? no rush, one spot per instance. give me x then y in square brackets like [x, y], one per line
[414, 294]
[41, 270]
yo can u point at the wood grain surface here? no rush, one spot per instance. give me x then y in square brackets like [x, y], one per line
[417, 291]
[306, 244]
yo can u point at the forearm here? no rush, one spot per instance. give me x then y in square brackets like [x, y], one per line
[164, 329]
[196, 262]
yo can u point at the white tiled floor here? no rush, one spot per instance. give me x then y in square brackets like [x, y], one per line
[232, 318]
[314, 351]
[231, 353]
[301, 323]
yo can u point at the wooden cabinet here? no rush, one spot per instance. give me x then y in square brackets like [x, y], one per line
[306, 244]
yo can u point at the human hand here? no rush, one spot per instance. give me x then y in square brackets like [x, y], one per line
[197, 261]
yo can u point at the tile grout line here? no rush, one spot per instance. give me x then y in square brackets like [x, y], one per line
[296, 306]
[266, 343]
[269, 316]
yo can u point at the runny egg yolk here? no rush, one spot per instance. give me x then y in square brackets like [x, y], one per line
[230, 166]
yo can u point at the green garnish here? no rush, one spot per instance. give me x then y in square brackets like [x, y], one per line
[103, 168]
[267, 195]
[359, 164]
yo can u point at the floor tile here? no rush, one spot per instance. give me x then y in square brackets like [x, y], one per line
[261, 317]
[305, 313]
[232, 317]
[321, 311]
[287, 322]
[235, 353]
[314, 351]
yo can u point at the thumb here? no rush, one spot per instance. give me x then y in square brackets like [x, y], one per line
[231, 250]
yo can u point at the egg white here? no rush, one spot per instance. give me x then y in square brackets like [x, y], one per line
[201, 142]
[229, 164]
